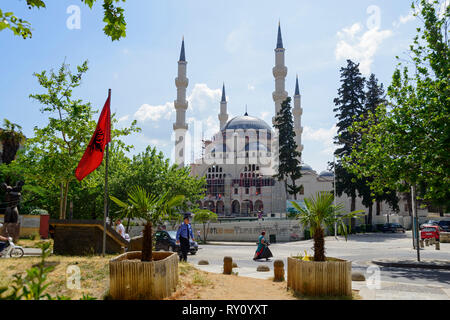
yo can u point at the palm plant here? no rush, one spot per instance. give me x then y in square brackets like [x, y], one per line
[205, 217]
[11, 137]
[320, 212]
[153, 209]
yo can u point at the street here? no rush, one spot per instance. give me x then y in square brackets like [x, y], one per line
[361, 249]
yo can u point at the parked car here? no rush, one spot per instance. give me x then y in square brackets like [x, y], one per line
[444, 225]
[429, 232]
[166, 240]
[429, 223]
[393, 227]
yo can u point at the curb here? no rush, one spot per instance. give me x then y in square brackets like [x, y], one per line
[412, 265]
[242, 244]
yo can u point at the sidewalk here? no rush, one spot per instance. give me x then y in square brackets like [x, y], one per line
[402, 291]
[424, 263]
[32, 252]
[387, 291]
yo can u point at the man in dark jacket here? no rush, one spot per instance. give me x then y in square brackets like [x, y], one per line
[183, 234]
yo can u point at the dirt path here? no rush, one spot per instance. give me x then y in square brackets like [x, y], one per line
[196, 284]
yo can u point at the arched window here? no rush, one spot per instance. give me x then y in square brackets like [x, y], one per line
[235, 207]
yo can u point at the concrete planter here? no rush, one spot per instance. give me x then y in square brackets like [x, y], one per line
[329, 278]
[132, 279]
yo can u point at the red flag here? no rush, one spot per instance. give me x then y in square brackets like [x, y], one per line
[93, 156]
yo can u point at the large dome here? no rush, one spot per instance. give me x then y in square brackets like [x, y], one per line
[246, 122]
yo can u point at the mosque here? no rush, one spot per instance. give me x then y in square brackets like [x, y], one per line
[240, 160]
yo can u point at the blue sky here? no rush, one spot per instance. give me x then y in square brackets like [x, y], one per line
[226, 41]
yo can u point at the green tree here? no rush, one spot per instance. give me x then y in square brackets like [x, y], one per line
[11, 137]
[114, 19]
[408, 148]
[319, 213]
[204, 217]
[152, 171]
[349, 106]
[289, 163]
[57, 148]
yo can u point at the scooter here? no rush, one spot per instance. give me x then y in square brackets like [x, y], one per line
[11, 250]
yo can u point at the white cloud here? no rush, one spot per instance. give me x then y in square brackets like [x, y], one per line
[155, 113]
[443, 8]
[124, 118]
[251, 87]
[360, 47]
[238, 40]
[203, 98]
[323, 136]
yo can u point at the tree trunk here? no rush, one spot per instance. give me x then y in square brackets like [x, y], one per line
[204, 233]
[378, 207]
[128, 224]
[147, 243]
[319, 245]
[369, 218]
[352, 208]
[61, 198]
[294, 187]
[66, 192]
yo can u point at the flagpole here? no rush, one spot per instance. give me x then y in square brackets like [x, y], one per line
[105, 214]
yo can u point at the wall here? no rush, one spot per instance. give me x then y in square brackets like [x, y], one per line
[29, 224]
[284, 230]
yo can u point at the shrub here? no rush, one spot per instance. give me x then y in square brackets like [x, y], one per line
[307, 234]
[363, 228]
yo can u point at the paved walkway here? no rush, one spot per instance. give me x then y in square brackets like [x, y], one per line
[386, 291]
[409, 263]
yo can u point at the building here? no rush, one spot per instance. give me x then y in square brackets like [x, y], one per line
[239, 161]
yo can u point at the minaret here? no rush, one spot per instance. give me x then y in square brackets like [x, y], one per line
[297, 111]
[180, 126]
[223, 115]
[279, 72]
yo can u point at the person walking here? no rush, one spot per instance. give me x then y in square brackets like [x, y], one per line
[262, 251]
[184, 233]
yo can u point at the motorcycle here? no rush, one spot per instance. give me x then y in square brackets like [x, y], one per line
[11, 250]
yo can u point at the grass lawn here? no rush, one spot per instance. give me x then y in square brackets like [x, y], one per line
[94, 274]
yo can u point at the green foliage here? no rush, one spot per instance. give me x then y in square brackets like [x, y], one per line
[144, 205]
[205, 217]
[289, 163]
[114, 19]
[57, 147]
[406, 142]
[307, 234]
[11, 137]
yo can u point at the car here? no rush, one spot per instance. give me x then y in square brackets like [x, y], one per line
[429, 232]
[429, 223]
[166, 240]
[393, 227]
[444, 225]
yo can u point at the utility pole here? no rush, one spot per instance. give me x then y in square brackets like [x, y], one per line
[334, 192]
[416, 220]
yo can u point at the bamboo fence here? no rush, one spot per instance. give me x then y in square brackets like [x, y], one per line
[328, 278]
[132, 279]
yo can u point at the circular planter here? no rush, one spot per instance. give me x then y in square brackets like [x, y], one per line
[328, 278]
[132, 279]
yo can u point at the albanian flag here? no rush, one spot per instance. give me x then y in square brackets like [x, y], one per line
[93, 156]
